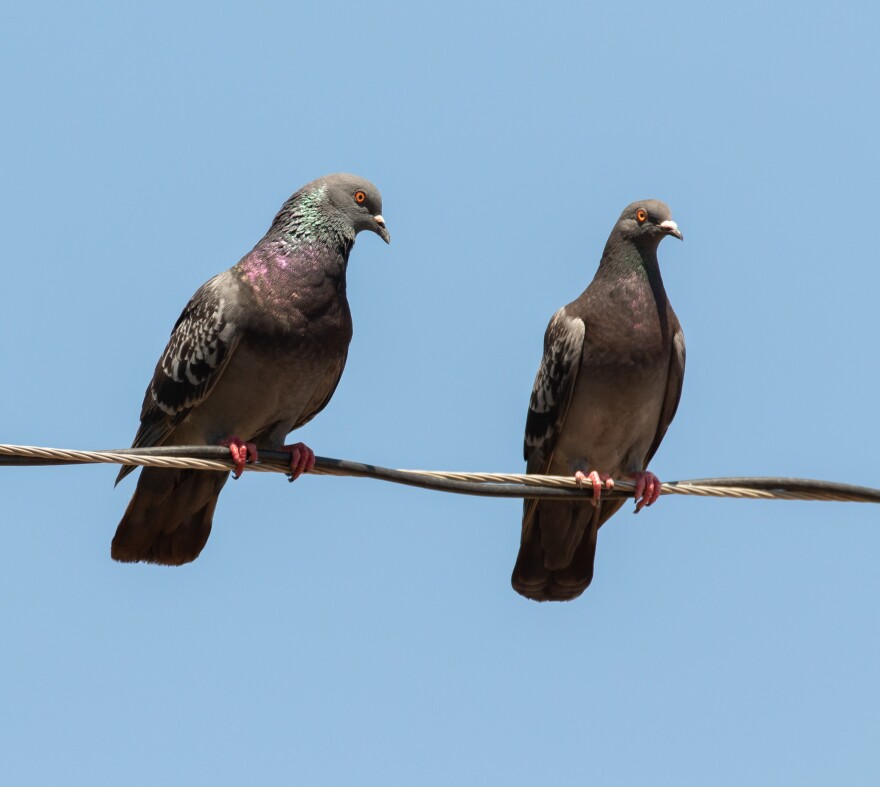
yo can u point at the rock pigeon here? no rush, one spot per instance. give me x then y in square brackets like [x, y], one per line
[605, 394]
[257, 352]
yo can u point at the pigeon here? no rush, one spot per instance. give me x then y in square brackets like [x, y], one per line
[257, 352]
[606, 391]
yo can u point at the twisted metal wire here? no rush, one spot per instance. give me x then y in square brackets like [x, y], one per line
[516, 485]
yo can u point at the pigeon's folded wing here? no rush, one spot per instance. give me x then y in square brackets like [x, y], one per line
[551, 393]
[201, 344]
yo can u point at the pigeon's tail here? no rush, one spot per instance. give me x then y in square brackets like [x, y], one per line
[555, 560]
[168, 520]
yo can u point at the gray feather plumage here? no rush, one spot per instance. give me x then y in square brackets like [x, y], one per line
[257, 352]
[606, 391]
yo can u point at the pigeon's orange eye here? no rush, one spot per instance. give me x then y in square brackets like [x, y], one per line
[641, 215]
[359, 197]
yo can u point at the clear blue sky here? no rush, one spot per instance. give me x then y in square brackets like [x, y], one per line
[342, 631]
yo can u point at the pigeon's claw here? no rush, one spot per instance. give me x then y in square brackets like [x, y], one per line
[302, 459]
[241, 453]
[647, 489]
[596, 480]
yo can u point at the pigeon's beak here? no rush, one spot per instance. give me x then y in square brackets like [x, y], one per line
[671, 228]
[380, 228]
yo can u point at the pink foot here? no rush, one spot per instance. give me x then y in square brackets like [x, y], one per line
[240, 452]
[647, 489]
[596, 479]
[302, 459]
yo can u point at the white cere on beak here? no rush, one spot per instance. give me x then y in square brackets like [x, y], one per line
[671, 227]
[379, 220]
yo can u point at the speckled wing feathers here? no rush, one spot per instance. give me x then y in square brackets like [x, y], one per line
[201, 344]
[554, 383]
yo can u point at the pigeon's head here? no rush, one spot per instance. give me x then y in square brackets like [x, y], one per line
[647, 222]
[358, 201]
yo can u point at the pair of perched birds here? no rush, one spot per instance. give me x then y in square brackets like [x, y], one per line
[259, 350]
